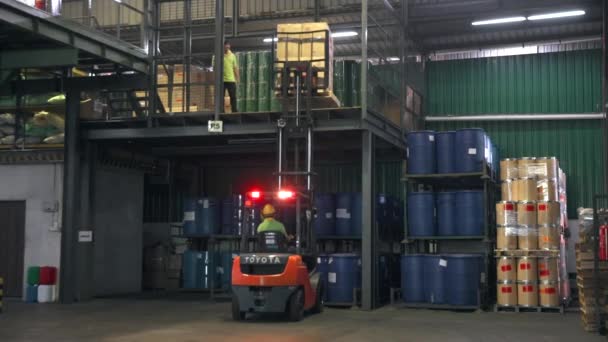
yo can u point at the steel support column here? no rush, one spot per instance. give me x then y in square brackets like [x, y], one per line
[236, 9]
[71, 192]
[605, 90]
[85, 252]
[403, 58]
[152, 20]
[368, 242]
[364, 5]
[219, 58]
[317, 10]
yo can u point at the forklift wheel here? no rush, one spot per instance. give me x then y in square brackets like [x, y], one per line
[318, 308]
[237, 314]
[296, 306]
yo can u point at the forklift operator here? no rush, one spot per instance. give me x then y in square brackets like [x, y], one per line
[270, 224]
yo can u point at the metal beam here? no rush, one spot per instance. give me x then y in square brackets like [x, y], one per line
[368, 241]
[364, 8]
[219, 58]
[43, 86]
[516, 117]
[38, 58]
[71, 194]
[22, 16]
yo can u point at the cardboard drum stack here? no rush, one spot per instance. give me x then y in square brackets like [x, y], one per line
[529, 222]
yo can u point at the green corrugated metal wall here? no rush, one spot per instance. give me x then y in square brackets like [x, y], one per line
[562, 82]
[577, 144]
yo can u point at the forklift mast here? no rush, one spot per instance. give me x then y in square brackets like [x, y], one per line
[295, 128]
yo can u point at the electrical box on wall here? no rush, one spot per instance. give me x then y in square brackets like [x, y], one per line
[50, 206]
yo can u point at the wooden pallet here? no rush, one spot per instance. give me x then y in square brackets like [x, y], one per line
[522, 253]
[517, 308]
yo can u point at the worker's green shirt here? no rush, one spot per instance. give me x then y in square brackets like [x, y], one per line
[272, 225]
[230, 64]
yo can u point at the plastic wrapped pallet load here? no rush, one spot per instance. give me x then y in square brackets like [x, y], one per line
[264, 78]
[251, 97]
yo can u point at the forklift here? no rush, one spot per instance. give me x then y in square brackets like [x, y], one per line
[281, 276]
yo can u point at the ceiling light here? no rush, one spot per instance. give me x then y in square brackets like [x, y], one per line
[344, 34]
[498, 21]
[269, 40]
[556, 15]
[393, 59]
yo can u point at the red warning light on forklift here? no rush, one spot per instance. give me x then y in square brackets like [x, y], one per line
[285, 194]
[254, 194]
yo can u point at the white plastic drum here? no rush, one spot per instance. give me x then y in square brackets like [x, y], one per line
[506, 213]
[506, 237]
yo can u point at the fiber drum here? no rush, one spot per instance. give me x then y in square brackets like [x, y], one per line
[445, 152]
[508, 169]
[527, 294]
[548, 237]
[446, 205]
[506, 269]
[522, 166]
[343, 276]
[548, 167]
[469, 145]
[527, 237]
[526, 189]
[527, 269]
[208, 222]
[421, 152]
[548, 212]
[420, 213]
[325, 220]
[526, 213]
[469, 213]
[547, 190]
[508, 191]
[548, 294]
[506, 213]
[506, 237]
[412, 278]
[506, 293]
[547, 269]
[434, 276]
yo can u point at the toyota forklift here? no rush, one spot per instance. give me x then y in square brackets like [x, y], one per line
[281, 276]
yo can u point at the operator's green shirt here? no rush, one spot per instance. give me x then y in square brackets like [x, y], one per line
[272, 225]
[230, 64]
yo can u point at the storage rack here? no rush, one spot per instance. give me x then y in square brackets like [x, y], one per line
[483, 180]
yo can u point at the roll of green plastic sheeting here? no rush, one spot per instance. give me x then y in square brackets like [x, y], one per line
[251, 101]
[355, 84]
[264, 63]
[340, 82]
[241, 90]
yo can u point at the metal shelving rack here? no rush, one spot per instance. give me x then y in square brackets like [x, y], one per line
[483, 180]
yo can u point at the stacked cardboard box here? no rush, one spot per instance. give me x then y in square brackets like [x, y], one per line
[174, 99]
[588, 297]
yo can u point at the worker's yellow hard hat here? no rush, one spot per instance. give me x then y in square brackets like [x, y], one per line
[268, 210]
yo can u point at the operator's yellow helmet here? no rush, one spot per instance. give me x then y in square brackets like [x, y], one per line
[268, 210]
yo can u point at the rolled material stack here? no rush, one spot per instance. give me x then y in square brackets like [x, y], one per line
[529, 228]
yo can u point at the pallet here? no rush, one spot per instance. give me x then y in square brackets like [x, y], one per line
[522, 253]
[436, 306]
[517, 308]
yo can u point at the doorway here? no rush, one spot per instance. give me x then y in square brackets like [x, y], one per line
[12, 245]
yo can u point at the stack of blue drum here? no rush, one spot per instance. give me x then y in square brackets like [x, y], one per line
[204, 270]
[201, 216]
[450, 213]
[462, 151]
[452, 279]
[338, 214]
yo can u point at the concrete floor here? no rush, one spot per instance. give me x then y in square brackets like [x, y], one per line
[183, 318]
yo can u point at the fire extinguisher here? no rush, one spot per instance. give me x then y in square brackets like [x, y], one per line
[604, 242]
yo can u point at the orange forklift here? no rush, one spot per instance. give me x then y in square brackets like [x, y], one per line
[281, 276]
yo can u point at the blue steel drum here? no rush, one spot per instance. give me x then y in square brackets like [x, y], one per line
[412, 278]
[208, 221]
[325, 217]
[190, 215]
[446, 205]
[356, 214]
[435, 284]
[446, 161]
[470, 149]
[225, 269]
[31, 294]
[344, 213]
[421, 152]
[322, 267]
[420, 214]
[343, 276]
[469, 213]
[463, 276]
[192, 269]
[383, 206]
[227, 217]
